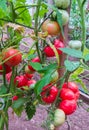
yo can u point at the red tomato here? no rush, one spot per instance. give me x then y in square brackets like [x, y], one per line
[49, 51]
[8, 76]
[72, 86]
[31, 83]
[16, 57]
[68, 106]
[20, 81]
[36, 59]
[7, 69]
[49, 94]
[67, 94]
[52, 27]
[29, 74]
[14, 98]
[58, 44]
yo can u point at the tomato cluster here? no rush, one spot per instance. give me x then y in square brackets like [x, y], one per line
[49, 52]
[69, 95]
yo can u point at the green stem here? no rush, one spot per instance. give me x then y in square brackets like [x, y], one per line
[82, 13]
[36, 26]
[31, 5]
[5, 95]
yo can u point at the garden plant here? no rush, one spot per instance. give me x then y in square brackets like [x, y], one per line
[55, 57]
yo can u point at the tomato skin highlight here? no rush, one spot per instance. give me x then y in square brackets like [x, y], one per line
[49, 94]
[67, 94]
[36, 59]
[52, 27]
[13, 61]
[68, 106]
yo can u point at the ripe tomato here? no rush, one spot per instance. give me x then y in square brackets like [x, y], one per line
[6, 67]
[16, 57]
[14, 98]
[31, 83]
[72, 86]
[62, 3]
[20, 81]
[59, 117]
[68, 106]
[49, 94]
[52, 27]
[75, 44]
[49, 51]
[8, 76]
[67, 94]
[36, 59]
[58, 44]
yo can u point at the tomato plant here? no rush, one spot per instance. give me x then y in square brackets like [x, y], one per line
[35, 59]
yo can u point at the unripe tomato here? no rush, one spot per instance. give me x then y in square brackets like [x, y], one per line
[6, 67]
[65, 16]
[67, 94]
[49, 51]
[62, 3]
[72, 86]
[59, 117]
[14, 98]
[36, 59]
[52, 27]
[16, 57]
[68, 106]
[75, 44]
[49, 94]
[58, 44]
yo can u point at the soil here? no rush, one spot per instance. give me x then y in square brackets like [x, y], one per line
[79, 120]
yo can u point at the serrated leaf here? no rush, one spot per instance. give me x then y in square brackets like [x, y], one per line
[72, 52]
[71, 65]
[19, 103]
[30, 110]
[41, 83]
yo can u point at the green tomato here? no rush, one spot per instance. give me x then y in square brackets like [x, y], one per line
[65, 16]
[59, 117]
[75, 44]
[62, 3]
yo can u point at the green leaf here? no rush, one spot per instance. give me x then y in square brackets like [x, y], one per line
[3, 89]
[3, 4]
[18, 111]
[30, 110]
[41, 83]
[86, 57]
[71, 65]
[72, 52]
[37, 66]
[78, 71]
[59, 20]
[31, 56]
[20, 102]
